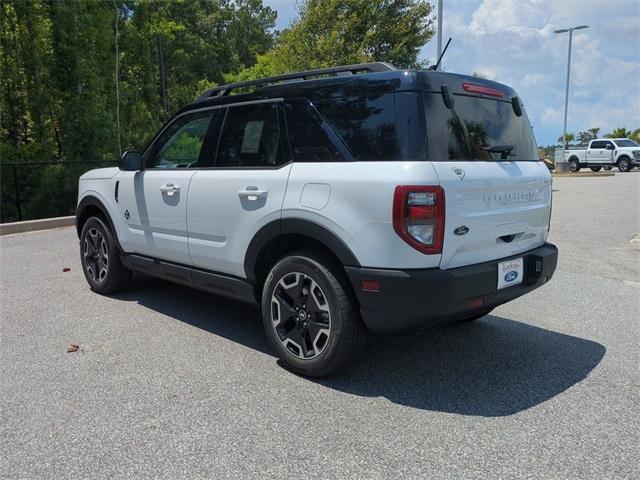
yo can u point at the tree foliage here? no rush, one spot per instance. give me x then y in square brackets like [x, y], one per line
[342, 32]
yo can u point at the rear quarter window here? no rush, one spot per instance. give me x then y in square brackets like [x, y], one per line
[365, 123]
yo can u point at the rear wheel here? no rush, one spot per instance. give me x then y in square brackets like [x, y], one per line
[574, 166]
[310, 316]
[596, 169]
[100, 258]
[624, 165]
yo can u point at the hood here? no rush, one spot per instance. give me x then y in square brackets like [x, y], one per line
[100, 173]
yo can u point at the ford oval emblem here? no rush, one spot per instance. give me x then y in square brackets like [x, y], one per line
[511, 276]
[461, 230]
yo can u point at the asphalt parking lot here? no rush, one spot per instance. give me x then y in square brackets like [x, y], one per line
[175, 383]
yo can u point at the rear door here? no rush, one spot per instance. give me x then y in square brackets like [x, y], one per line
[497, 192]
[153, 202]
[229, 203]
[597, 151]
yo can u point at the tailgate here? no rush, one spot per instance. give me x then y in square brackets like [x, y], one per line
[504, 205]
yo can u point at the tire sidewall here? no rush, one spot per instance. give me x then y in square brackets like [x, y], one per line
[623, 164]
[574, 166]
[98, 223]
[312, 268]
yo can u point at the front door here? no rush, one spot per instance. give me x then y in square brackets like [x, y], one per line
[228, 204]
[153, 202]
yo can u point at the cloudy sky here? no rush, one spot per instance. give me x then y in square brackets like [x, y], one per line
[512, 41]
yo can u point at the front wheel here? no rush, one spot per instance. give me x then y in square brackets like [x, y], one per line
[100, 258]
[310, 316]
[624, 165]
[596, 169]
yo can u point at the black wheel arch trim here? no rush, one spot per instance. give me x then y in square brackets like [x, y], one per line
[298, 226]
[91, 201]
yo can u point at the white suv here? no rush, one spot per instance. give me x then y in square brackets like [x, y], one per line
[339, 200]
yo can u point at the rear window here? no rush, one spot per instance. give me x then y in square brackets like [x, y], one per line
[477, 129]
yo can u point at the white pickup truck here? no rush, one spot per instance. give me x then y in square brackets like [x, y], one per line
[608, 152]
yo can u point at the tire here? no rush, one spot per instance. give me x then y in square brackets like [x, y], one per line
[624, 164]
[574, 166]
[596, 169]
[477, 316]
[331, 335]
[100, 258]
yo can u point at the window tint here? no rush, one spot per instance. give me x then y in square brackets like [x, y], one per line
[410, 126]
[608, 144]
[598, 144]
[477, 129]
[366, 124]
[311, 137]
[251, 137]
[180, 144]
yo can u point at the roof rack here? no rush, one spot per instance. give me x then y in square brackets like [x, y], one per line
[298, 76]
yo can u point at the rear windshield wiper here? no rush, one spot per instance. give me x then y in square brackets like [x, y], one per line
[503, 150]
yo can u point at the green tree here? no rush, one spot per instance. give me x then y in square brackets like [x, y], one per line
[339, 32]
[635, 136]
[620, 132]
[570, 138]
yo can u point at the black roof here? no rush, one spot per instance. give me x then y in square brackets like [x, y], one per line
[383, 78]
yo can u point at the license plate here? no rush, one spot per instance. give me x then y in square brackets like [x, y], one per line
[510, 273]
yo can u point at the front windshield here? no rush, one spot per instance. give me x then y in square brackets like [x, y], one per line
[626, 143]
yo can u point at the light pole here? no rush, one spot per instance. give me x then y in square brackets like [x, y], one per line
[439, 30]
[566, 93]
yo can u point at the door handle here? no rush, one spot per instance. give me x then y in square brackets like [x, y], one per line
[170, 189]
[252, 193]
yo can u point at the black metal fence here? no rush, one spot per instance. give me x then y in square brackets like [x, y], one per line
[42, 189]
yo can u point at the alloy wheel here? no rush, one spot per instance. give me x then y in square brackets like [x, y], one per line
[96, 255]
[301, 315]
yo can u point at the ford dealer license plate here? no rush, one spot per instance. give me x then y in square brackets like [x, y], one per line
[510, 273]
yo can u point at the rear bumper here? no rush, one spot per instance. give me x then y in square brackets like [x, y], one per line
[414, 298]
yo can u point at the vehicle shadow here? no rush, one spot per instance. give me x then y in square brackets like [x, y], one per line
[492, 367]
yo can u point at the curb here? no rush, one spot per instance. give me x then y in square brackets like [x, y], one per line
[33, 225]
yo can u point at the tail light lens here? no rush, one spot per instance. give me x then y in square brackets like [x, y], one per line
[418, 216]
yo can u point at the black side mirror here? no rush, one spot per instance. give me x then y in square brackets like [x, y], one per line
[130, 161]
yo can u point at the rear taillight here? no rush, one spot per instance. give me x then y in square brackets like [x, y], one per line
[418, 216]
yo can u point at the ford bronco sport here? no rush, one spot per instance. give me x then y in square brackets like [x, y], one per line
[339, 200]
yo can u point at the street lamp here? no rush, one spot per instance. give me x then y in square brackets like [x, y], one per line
[566, 94]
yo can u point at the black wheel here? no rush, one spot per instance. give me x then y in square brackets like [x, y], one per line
[101, 259]
[477, 316]
[596, 169]
[574, 166]
[310, 316]
[624, 165]
[608, 167]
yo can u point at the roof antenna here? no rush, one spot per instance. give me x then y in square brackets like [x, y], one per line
[435, 67]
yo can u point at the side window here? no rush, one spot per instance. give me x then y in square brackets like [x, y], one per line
[365, 123]
[180, 144]
[311, 138]
[251, 137]
[608, 145]
[597, 145]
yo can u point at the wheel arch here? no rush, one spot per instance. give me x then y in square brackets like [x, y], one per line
[90, 206]
[277, 238]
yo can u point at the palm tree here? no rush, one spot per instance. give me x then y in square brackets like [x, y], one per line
[620, 132]
[635, 136]
[570, 138]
